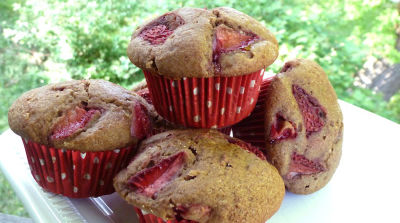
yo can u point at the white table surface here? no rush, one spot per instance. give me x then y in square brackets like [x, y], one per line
[365, 187]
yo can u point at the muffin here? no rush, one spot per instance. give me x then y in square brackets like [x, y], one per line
[303, 126]
[79, 134]
[203, 67]
[202, 176]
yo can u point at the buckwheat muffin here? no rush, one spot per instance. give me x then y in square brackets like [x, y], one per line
[201, 176]
[303, 126]
[78, 134]
[202, 66]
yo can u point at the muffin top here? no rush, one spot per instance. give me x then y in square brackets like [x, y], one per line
[303, 126]
[86, 115]
[193, 42]
[201, 175]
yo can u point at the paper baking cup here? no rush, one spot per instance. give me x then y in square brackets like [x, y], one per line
[149, 218]
[74, 173]
[214, 102]
[252, 128]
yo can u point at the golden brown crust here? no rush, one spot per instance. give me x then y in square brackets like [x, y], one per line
[236, 184]
[323, 146]
[188, 51]
[34, 114]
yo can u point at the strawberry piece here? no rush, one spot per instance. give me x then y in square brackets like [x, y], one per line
[247, 147]
[195, 212]
[74, 120]
[301, 165]
[159, 30]
[145, 93]
[149, 181]
[282, 129]
[141, 125]
[314, 114]
[156, 34]
[227, 40]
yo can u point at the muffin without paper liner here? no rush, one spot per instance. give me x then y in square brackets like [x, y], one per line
[184, 174]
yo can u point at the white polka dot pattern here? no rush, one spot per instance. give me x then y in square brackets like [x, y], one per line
[204, 102]
[209, 104]
[217, 86]
[196, 118]
[252, 83]
[242, 90]
[71, 172]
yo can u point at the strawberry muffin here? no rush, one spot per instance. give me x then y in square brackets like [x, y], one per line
[79, 134]
[303, 126]
[200, 176]
[203, 67]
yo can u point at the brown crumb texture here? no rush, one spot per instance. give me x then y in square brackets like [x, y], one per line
[35, 114]
[321, 146]
[218, 182]
[188, 51]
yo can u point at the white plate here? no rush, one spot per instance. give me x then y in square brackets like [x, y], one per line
[365, 187]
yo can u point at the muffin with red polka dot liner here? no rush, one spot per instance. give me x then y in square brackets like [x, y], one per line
[299, 125]
[203, 67]
[79, 134]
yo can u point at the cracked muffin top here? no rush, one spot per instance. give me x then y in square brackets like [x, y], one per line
[86, 115]
[193, 42]
[201, 175]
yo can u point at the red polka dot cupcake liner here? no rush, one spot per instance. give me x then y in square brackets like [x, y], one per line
[74, 173]
[149, 218]
[252, 128]
[214, 102]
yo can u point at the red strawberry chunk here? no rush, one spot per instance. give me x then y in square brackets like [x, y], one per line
[301, 165]
[73, 121]
[156, 34]
[248, 147]
[145, 93]
[227, 40]
[141, 125]
[314, 114]
[282, 129]
[149, 181]
[194, 212]
[159, 30]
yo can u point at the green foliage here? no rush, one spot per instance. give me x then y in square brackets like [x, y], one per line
[9, 203]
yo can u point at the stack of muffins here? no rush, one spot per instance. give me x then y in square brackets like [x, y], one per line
[158, 145]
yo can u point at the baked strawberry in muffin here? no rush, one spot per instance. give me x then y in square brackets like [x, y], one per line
[79, 134]
[203, 67]
[200, 176]
[303, 126]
